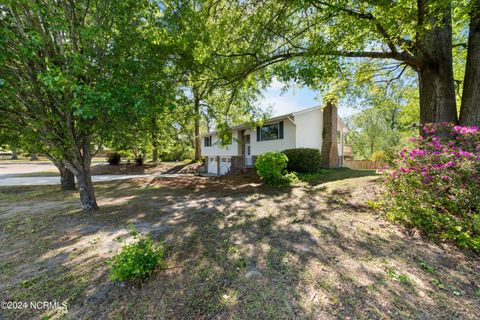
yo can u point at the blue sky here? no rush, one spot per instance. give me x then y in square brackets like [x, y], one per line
[295, 99]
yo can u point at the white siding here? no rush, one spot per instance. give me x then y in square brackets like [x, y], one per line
[309, 129]
[217, 150]
[288, 141]
[343, 129]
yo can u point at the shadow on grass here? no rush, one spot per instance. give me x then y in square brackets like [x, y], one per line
[334, 174]
[236, 254]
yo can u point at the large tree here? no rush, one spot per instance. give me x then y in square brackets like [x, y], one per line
[313, 40]
[58, 67]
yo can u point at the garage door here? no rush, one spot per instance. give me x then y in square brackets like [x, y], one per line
[212, 165]
[225, 164]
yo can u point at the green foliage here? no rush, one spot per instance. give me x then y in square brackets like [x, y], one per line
[114, 158]
[426, 267]
[434, 186]
[136, 260]
[305, 160]
[378, 156]
[272, 168]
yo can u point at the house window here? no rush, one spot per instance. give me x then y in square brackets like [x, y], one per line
[272, 131]
[339, 137]
[208, 141]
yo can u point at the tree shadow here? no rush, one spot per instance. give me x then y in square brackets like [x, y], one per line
[250, 253]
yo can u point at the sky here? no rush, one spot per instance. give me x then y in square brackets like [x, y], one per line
[295, 99]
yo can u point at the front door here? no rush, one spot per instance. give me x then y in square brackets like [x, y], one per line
[247, 152]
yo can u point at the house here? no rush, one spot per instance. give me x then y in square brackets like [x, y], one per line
[318, 127]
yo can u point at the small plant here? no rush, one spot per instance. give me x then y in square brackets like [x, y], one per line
[395, 275]
[114, 158]
[438, 284]
[304, 160]
[272, 168]
[136, 260]
[426, 267]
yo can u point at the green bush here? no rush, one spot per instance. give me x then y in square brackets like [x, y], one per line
[114, 158]
[305, 160]
[272, 168]
[136, 260]
[435, 185]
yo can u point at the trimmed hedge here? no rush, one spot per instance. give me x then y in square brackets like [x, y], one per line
[272, 168]
[306, 160]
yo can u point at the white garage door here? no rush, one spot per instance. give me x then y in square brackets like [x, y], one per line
[212, 165]
[225, 164]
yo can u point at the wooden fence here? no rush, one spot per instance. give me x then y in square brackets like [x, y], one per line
[362, 164]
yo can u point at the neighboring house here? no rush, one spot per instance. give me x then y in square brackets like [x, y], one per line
[302, 129]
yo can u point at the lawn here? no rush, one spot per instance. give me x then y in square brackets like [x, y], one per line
[234, 250]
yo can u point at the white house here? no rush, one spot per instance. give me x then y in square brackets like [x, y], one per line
[302, 129]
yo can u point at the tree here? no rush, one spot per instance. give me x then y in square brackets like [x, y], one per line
[16, 134]
[58, 62]
[386, 122]
[315, 39]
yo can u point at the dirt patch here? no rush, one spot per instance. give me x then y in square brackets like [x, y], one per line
[234, 249]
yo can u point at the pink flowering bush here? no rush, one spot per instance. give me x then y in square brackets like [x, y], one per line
[436, 184]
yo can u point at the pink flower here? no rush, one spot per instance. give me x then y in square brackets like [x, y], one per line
[417, 153]
[466, 154]
[465, 130]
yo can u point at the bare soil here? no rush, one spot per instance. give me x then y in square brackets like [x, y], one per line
[235, 249]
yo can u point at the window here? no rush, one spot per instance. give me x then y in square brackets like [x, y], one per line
[339, 137]
[272, 131]
[208, 141]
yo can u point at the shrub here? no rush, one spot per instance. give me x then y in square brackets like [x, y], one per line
[305, 160]
[379, 156]
[114, 158]
[136, 260]
[435, 185]
[272, 168]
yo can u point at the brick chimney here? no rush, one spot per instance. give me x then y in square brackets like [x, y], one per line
[329, 136]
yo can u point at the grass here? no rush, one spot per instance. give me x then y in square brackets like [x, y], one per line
[334, 174]
[233, 250]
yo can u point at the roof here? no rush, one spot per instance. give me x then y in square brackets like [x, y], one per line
[283, 116]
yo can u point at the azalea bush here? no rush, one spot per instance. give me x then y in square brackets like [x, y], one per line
[435, 184]
[272, 168]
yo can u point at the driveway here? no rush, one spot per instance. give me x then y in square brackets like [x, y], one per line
[11, 174]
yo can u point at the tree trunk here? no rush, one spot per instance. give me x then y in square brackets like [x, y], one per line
[435, 71]
[154, 152]
[196, 103]
[14, 154]
[154, 140]
[85, 187]
[67, 179]
[470, 111]
[80, 166]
